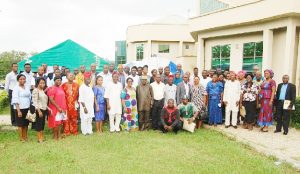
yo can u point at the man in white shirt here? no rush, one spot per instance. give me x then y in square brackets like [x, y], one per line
[134, 76]
[87, 101]
[50, 82]
[231, 98]
[158, 104]
[10, 83]
[107, 77]
[114, 104]
[170, 90]
[30, 80]
[204, 79]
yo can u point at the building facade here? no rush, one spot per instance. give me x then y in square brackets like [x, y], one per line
[165, 38]
[120, 52]
[256, 32]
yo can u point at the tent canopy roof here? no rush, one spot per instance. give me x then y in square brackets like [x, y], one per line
[68, 53]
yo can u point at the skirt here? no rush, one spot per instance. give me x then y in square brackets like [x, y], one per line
[22, 121]
[40, 121]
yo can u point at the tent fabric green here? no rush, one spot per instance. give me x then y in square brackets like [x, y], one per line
[68, 54]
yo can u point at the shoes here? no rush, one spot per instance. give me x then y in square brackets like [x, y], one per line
[285, 133]
[226, 127]
[235, 127]
[277, 131]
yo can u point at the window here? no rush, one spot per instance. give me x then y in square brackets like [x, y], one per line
[163, 48]
[121, 60]
[187, 47]
[252, 55]
[221, 57]
[139, 52]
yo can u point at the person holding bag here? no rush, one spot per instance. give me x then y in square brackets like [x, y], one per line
[21, 97]
[40, 101]
[57, 107]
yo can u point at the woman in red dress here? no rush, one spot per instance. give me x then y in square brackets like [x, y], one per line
[266, 98]
[57, 105]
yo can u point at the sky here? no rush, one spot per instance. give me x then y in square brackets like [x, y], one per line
[37, 25]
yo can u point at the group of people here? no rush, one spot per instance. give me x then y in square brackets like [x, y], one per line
[131, 99]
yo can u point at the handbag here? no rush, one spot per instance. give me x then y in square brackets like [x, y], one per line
[31, 115]
[243, 111]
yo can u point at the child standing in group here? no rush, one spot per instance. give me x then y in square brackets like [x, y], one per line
[100, 102]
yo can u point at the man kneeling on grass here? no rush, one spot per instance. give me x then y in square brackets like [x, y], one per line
[188, 113]
[169, 119]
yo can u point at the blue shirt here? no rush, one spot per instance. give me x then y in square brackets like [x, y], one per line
[283, 92]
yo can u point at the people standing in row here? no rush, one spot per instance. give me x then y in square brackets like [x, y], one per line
[10, 83]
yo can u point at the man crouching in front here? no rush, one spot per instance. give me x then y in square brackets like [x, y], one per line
[169, 119]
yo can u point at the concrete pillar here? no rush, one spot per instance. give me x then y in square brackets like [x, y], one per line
[198, 7]
[288, 60]
[267, 49]
[200, 54]
[298, 69]
[149, 49]
[180, 51]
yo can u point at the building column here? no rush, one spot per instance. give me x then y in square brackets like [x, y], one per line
[288, 60]
[180, 52]
[149, 49]
[297, 82]
[267, 49]
[201, 54]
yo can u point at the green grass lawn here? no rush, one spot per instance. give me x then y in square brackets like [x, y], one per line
[5, 111]
[205, 151]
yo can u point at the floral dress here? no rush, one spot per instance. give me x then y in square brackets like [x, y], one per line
[265, 117]
[129, 120]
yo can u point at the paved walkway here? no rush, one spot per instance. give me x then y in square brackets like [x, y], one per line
[284, 147]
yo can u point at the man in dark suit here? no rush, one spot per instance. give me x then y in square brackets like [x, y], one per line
[285, 91]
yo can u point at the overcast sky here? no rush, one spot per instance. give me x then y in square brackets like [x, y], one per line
[36, 25]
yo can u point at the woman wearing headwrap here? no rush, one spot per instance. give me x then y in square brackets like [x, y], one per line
[57, 106]
[177, 78]
[266, 98]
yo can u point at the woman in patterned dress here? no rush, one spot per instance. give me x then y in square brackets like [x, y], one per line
[129, 120]
[249, 100]
[199, 99]
[266, 99]
[214, 90]
[99, 94]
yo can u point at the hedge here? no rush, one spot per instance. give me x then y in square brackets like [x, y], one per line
[3, 100]
[296, 114]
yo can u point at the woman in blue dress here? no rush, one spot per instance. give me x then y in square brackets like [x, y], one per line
[99, 94]
[214, 90]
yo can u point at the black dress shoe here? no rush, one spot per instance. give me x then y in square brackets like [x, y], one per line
[226, 126]
[235, 127]
[276, 131]
[285, 133]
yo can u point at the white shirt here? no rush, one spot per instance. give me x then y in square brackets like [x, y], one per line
[64, 79]
[187, 88]
[30, 81]
[158, 90]
[50, 82]
[86, 96]
[232, 92]
[136, 80]
[113, 94]
[170, 93]
[204, 82]
[11, 81]
[107, 79]
[21, 96]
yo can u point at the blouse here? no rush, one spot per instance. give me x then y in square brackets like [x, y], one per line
[39, 99]
[249, 93]
[21, 96]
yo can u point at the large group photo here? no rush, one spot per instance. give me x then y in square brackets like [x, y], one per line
[175, 99]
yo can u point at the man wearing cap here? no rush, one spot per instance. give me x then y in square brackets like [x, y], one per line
[170, 90]
[87, 101]
[114, 104]
[144, 95]
[169, 118]
[188, 113]
[158, 104]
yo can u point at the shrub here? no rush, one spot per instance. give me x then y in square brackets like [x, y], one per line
[296, 114]
[3, 100]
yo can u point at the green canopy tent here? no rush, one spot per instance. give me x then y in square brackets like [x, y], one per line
[68, 54]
